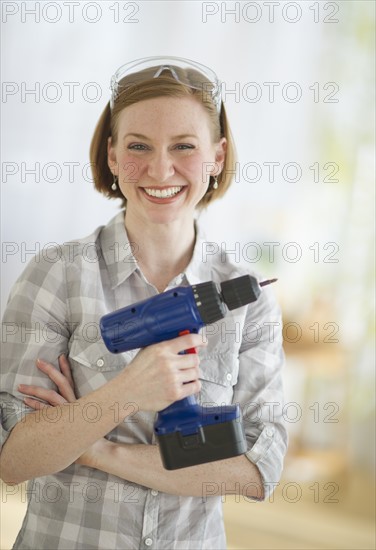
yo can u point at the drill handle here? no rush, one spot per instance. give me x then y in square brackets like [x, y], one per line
[190, 400]
[190, 350]
[187, 401]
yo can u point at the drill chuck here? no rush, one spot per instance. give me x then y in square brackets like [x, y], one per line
[209, 303]
[240, 291]
[234, 293]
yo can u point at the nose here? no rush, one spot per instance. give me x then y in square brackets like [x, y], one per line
[161, 166]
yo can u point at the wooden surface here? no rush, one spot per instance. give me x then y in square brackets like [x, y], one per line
[337, 517]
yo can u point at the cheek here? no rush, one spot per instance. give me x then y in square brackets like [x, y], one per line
[131, 169]
[197, 169]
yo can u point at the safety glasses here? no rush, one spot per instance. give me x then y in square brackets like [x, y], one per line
[187, 72]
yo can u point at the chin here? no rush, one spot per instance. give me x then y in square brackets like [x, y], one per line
[170, 215]
[160, 219]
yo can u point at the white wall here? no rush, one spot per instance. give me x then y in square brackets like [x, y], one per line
[37, 52]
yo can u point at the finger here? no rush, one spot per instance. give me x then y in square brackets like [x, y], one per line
[189, 375]
[182, 343]
[188, 361]
[190, 388]
[51, 396]
[66, 369]
[34, 404]
[58, 378]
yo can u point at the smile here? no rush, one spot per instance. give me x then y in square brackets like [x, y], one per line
[165, 193]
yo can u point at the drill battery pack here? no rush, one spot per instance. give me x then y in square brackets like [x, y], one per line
[215, 435]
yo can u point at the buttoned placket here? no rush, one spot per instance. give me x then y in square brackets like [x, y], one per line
[151, 510]
[151, 513]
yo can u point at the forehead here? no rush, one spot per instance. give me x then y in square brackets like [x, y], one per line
[164, 114]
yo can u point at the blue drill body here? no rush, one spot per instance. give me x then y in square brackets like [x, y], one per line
[187, 433]
[153, 320]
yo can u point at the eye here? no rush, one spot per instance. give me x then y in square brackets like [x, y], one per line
[184, 146]
[137, 147]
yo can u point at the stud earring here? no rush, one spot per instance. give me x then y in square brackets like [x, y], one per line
[114, 185]
[215, 184]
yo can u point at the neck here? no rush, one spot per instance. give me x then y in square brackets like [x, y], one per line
[162, 251]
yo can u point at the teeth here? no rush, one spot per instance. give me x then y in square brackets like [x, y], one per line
[163, 193]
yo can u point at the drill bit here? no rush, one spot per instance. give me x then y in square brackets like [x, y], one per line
[268, 282]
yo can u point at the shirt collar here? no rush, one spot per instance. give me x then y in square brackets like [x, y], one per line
[117, 250]
[200, 267]
[118, 254]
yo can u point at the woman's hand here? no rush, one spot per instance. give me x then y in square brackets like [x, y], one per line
[63, 381]
[159, 374]
[66, 394]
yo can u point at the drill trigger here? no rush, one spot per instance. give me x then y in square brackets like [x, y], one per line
[190, 350]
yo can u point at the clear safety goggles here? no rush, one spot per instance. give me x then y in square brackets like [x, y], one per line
[187, 72]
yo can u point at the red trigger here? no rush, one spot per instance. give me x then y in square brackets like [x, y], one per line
[190, 350]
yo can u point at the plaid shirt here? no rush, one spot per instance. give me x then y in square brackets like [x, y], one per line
[54, 308]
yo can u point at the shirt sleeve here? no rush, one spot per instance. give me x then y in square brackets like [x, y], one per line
[34, 326]
[259, 389]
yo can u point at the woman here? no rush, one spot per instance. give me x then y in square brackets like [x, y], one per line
[163, 145]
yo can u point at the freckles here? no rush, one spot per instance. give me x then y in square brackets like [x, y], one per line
[131, 169]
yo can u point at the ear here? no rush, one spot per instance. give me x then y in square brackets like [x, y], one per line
[111, 157]
[220, 155]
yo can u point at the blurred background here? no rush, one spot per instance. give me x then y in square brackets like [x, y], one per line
[298, 84]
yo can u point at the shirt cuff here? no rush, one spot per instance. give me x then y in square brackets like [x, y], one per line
[267, 455]
[12, 411]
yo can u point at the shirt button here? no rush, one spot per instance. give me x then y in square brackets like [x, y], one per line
[154, 492]
[229, 376]
[100, 363]
[148, 542]
[269, 432]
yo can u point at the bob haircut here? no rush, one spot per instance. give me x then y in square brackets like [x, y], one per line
[135, 88]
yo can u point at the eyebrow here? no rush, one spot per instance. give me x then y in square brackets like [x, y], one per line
[141, 136]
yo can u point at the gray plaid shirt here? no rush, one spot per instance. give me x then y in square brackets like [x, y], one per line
[54, 308]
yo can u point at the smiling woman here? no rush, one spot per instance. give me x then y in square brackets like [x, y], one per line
[168, 169]
[85, 427]
[184, 81]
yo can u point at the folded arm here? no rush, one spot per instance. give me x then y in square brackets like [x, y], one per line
[41, 444]
[142, 464]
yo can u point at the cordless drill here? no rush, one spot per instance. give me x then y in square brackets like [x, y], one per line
[187, 433]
